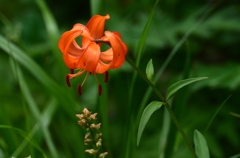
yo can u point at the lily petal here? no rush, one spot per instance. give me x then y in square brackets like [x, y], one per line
[102, 67]
[69, 36]
[89, 58]
[119, 49]
[96, 26]
[107, 55]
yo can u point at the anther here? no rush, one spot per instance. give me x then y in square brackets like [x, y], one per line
[105, 76]
[79, 89]
[68, 81]
[99, 89]
[71, 71]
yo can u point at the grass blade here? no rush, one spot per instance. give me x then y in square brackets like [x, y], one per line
[39, 73]
[24, 135]
[175, 49]
[141, 43]
[215, 114]
[95, 7]
[147, 113]
[201, 146]
[235, 156]
[234, 114]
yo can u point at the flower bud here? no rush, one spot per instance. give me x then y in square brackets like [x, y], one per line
[88, 141]
[80, 116]
[91, 151]
[86, 112]
[82, 123]
[102, 155]
[93, 116]
[97, 136]
[99, 143]
[87, 135]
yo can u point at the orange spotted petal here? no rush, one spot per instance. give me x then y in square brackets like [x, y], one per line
[102, 67]
[89, 58]
[96, 26]
[70, 61]
[119, 49]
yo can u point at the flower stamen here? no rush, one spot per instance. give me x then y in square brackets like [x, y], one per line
[99, 89]
[79, 89]
[105, 76]
[85, 78]
[68, 81]
[99, 85]
[71, 71]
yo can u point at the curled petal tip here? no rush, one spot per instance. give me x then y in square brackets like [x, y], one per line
[68, 81]
[107, 16]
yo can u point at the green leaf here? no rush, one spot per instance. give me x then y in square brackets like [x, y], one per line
[150, 70]
[201, 146]
[147, 113]
[178, 85]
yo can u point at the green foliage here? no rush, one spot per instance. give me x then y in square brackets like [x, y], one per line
[180, 84]
[150, 70]
[148, 111]
[201, 146]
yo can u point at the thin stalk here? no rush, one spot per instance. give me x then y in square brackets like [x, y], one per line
[166, 104]
[145, 78]
[180, 129]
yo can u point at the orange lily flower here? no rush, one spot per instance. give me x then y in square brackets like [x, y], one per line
[88, 57]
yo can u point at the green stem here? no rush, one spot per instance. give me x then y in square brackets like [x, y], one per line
[180, 128]
[166, 105]
[146, 79]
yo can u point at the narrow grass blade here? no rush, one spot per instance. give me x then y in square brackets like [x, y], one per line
[25, 142]
[215, 114]
[21, 57]
[24, 135]
[95, 7]
[35, 111]
[147, 113]
[150, 70]
[235, 156]
[175, 49]
[201, 146]
[141, 43]
[234, 114]
[180, 84]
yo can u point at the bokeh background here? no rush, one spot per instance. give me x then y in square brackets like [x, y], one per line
[211, 49]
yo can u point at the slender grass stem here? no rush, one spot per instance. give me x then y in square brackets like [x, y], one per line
[166, 104]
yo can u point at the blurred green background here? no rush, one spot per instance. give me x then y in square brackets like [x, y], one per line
[211, 49]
